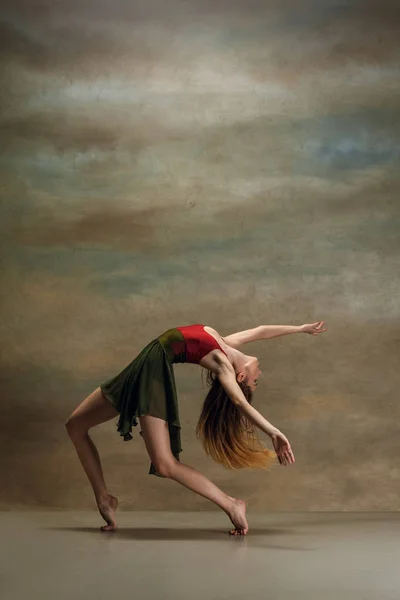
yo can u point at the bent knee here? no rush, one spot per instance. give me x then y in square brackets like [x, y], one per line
[75, 426]
[166, 467]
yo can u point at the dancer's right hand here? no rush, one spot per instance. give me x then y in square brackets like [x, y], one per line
[282, 448]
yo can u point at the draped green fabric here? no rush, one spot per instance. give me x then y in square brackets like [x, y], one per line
[147, 387]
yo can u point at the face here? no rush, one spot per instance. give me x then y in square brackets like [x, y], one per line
[250, 373]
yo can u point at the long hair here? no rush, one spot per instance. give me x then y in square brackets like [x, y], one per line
[226, 434]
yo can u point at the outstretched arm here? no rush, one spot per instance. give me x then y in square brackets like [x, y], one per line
[228, 381]
[264, 332]
[271, 331]
[227, 378]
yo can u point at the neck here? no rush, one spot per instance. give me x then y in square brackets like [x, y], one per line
[239, 360]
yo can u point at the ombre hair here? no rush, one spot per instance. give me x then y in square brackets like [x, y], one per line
[226, 434]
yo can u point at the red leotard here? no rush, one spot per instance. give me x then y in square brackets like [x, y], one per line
[198, 342]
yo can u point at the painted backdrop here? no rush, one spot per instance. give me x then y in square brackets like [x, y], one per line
[229, 163]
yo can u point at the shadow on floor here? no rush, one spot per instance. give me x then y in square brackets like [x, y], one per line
[171, 533]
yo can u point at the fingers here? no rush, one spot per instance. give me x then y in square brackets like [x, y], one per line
[283, 450]
[315, 332]
[286, 458]
[315, 328]
[318, 326]
[282, 459]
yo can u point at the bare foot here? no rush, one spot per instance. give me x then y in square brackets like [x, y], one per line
[107, 508]
[237, 515]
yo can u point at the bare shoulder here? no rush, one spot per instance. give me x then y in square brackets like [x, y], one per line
[216, 359]
[214, 332]
[218, 337]
[211, 329]
[225, 342]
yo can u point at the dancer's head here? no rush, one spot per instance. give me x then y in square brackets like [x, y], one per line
[248, 372]
[225, 432]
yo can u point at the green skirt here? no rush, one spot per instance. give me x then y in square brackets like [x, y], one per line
[147, 387]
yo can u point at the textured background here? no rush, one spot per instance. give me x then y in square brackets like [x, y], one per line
[229, 163]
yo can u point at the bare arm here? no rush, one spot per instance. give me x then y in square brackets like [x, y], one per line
[265, 332]
[262, 332]
[228, 381]
[270, 331]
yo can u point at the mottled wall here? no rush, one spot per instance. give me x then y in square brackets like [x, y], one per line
[230, 163]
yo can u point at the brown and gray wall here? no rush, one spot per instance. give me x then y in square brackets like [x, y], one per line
[229, 163]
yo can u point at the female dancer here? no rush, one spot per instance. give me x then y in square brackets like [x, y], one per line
[146, 389]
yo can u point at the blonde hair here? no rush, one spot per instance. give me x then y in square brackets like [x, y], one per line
[226, 434]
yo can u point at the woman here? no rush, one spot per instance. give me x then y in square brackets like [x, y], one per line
[146, 389]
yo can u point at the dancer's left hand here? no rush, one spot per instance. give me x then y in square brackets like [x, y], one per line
[313, 328]
[283, 448]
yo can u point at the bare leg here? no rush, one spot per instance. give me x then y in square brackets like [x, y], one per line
[95, 409]
[197, 482]
[156, 437]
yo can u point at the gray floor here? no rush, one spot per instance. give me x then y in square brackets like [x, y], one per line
[324, 556]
